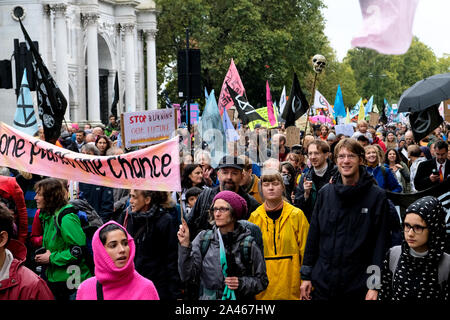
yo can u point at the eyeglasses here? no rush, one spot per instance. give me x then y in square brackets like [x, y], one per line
[416, 228]
[221, 209]
[351, 156]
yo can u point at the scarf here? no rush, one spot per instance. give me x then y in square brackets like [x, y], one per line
[320, 172]
[228, 294]
[278, 207]
[417, 277]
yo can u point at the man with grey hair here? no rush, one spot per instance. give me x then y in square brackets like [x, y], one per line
[90, 149]
[409, 140]
[90, 138]
[97, 131]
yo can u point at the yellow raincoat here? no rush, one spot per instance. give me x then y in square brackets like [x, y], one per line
[284, 246]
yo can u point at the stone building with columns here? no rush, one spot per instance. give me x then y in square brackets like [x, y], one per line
[83, 44]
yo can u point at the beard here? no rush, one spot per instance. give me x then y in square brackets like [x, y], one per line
[228, 185]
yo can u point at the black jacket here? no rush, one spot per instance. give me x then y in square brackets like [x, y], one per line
[155, 237]
[422, 179]
[199, 218]
[100, 198]
[307, 205]
[349, 232]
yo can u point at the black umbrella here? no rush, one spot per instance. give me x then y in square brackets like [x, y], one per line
[425, 93]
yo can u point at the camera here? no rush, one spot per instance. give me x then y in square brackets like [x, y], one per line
[76, 251]
[40, 251]
[435, 172]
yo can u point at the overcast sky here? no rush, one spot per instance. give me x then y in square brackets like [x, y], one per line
[431, 24]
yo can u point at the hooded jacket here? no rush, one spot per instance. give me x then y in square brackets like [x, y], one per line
[349, 232]
[22, 283]
[284, 246]
[207, 269]
[11, 191]
[60, 243]
[155, 236]
[386, 180]
[118, 283]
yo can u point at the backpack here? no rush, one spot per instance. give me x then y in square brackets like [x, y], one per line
[245, 248]
[443, 269]
[90, 222]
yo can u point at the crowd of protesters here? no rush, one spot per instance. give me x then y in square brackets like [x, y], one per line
[271, 221]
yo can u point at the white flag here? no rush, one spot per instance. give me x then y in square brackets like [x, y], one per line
[320, 102]
[283, 100]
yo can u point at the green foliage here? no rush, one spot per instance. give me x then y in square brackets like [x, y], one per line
[268, 40]
[388, 76]
[271, 39]
[443, 64]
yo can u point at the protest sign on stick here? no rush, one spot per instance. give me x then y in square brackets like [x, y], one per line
[292, 136]
[143, 128]
[373, 120]
[152, 168]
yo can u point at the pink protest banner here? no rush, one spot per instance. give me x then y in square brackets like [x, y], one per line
[234, 81]
[152, 168]
[387, 25]
[270, 112]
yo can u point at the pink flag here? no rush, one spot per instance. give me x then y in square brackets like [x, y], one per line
[387, 25]
[234, 81]
[270, 113]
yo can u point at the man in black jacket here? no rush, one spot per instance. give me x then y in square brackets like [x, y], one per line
[433, 171]
[230, 175]
[319, 175]
[99, 197]
[349, 232]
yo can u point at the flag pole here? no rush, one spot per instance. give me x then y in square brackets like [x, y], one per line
[310, 104]
[319, 62]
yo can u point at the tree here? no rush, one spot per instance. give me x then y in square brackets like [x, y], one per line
[388, 76]
[267, 39]
[443, 64]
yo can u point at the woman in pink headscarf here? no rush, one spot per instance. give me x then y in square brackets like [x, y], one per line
[115, 275]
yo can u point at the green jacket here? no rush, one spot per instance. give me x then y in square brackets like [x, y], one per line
[60, 244]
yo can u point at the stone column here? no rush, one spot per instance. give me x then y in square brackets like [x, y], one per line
[90, 22]
[47, 51]
[62, 73]
[152, 94]
[130, 79]
[140, 89]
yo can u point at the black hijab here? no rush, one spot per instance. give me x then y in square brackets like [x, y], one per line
[417, 278]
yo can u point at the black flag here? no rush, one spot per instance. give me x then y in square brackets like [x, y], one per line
[425, 121]
[116, 96]
[296, 106]
[51, 102]
[383, 117]
[245, 110]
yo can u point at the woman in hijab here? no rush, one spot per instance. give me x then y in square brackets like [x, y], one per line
[115, 275]
[418, 269]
